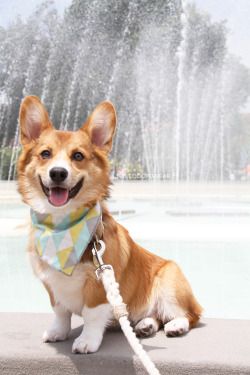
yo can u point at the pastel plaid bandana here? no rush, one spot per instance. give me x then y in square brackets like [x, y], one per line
[61, 243]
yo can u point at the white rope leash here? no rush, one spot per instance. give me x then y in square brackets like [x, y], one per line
[119, 308]
[121, 314]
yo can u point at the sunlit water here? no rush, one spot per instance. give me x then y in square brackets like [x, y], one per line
[218, 271]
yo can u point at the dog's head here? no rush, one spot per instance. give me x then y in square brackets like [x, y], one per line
[61, 170]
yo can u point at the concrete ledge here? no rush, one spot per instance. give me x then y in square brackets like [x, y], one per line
[215, 347]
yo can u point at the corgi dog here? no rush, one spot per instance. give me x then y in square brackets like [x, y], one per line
[62, 174]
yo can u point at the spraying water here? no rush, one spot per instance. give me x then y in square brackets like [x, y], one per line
[165, 66]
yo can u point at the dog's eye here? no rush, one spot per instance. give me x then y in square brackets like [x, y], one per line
[46, 154]
[78, 156]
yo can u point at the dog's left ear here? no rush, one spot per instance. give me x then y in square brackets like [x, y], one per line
[100, 126]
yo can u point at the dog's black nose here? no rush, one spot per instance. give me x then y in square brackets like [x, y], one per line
[58, 174]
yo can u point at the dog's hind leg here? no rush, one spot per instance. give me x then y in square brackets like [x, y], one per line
[147, 326]
[181, 325]
[176, 327]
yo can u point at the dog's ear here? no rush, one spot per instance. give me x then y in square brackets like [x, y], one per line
[100, 126]
[33, 120]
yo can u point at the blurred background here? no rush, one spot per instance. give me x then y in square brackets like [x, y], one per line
[178, 75]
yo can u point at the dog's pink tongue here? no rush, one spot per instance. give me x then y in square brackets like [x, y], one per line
[58, 196]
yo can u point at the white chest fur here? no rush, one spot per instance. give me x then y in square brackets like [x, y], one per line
[67, 290]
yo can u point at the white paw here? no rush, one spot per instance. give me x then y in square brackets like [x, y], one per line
[86, 345]
[176, 327]
[146, 327]
[54, 334]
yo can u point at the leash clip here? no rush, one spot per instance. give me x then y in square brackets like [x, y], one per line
[97, 258]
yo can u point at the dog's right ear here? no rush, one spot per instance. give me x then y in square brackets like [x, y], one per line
[33, 120]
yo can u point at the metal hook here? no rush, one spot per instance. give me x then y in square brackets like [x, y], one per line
[97, 258]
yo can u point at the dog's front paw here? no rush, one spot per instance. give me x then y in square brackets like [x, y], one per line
[86, 345]
[56, 334]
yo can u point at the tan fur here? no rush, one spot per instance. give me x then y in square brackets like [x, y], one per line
[150, 286]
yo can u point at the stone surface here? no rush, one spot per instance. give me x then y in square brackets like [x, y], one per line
[216, 346]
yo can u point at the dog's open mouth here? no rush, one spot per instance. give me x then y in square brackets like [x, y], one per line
[59, 196]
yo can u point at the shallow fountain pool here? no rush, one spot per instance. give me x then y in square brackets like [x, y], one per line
[212, 250]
